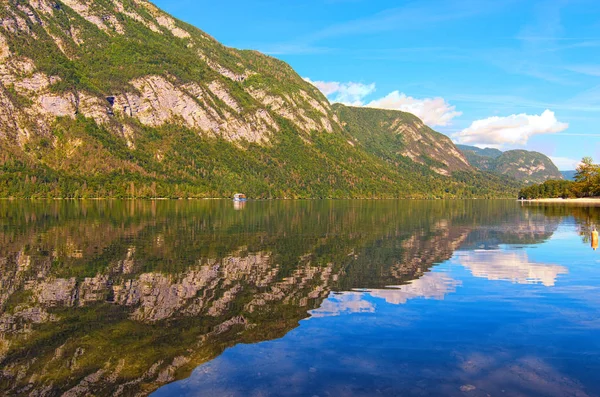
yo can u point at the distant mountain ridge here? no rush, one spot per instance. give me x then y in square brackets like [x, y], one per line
[568, 175]
[115, 98]
[486, 152]
[523, 165]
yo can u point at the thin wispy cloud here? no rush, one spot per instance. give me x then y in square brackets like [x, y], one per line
[590, 70]
[589, 98]
[576, 134]
[572, 46]
[411, 16]
[578, 103]
[538, 52]
[554, 38]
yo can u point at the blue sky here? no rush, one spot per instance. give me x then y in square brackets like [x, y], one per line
[503, 73]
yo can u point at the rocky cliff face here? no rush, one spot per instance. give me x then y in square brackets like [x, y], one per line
[98, 95]
[523, 165]
[530, 167]
[207, 104]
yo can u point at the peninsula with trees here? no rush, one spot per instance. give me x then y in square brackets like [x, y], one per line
[585, 185]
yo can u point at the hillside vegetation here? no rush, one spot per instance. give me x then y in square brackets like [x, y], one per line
[586, 184]
[119, 99]
[523, 165]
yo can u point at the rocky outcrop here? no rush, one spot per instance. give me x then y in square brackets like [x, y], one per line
[419, 145]
[169, 23]
[291, 108]
[223, 71]
[220, 92]
[163, 19]
[46, 7]
[161, 102]
[4, 50]
[54, 105]
[106, 22]
[14, 23]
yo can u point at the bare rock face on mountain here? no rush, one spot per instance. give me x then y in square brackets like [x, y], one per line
[117, 98]
[205, 103]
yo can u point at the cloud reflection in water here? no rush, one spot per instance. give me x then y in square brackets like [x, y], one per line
[430, 286]
[513, 266]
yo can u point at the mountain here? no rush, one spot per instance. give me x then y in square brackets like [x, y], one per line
[118, 99]
[402, 138]
[487, 152]
[523, 165]
[568, 175]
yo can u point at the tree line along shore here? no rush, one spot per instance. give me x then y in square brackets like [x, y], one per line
[585, 187]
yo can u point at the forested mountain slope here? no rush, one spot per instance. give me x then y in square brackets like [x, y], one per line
[118, 99]
[523, 165]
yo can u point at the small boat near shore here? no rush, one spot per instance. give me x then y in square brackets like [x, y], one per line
[239, 197]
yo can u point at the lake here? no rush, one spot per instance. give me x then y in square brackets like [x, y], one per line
[298, 298]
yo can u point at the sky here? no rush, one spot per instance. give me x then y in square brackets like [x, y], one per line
[510, 74]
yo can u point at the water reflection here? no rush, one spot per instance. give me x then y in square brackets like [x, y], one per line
[112, 297]
[429, 286]
[513, 266]
[587, 217]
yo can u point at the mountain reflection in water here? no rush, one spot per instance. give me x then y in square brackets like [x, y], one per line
[123, 297]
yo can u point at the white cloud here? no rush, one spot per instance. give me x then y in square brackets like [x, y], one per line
[350, 93]
[514, 129]
[565, 163]
[433, 111]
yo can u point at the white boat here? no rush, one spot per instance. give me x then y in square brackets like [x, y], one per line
[239, 197]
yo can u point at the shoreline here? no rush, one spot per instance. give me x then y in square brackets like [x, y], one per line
[250, 199]
[558, 200]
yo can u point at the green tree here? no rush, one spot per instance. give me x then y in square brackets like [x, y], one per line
[586, 178]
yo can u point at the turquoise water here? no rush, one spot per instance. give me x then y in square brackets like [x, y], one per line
[325, 298]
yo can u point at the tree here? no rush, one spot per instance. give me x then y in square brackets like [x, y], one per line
[587, 177]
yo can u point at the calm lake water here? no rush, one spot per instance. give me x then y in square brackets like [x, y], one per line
[298, 298]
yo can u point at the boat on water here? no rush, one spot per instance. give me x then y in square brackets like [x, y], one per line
[240, 197]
